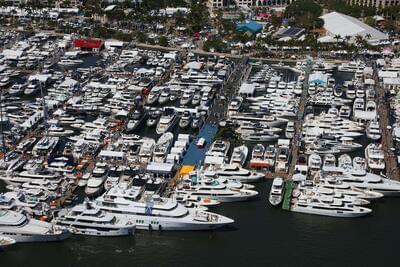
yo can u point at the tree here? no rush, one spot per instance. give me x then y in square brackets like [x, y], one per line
[359, 40]
[337, 37]
[162, 40]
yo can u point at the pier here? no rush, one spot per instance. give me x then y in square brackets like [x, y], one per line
[298, 123]
[383, 104]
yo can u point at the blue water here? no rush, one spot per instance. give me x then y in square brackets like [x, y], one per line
[194, 154]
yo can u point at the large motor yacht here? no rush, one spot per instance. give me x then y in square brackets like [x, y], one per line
[23, 229]
[152, 212]
[84, 219]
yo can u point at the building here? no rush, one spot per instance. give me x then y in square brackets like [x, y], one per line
[374, 3]
[215, 4]
[337, 24]
[89, 44]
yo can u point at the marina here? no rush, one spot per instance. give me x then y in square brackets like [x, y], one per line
[157, 153]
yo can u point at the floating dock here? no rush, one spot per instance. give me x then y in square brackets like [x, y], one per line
[288, 195]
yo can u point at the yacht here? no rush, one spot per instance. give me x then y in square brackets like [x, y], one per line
[45, 146]
[314, 163]
[185, 120]
[17, 89]
[375, 157]
[164, 96]
[219, 148]
[186, 98]
[327, 206]
[239, 155]
[5, 81]
[162, 147]
[289, 133]
[95, 184]
[23, 229]
[282, 159]
[152, 212]
[270, 155]
[84, 219]
[236, 173]
[364, 180]
[214, 189]
[154, 116]
[135, 120]
[345, 111]
[277, 191]
[167, 121]
[257, 157]
[373, 131]
[153, 96]
[32, 88]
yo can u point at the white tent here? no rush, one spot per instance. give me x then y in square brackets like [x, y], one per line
[339, 24]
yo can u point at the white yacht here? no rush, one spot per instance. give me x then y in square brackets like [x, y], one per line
[364, 180]
[152, 212]
[214, 189]
[167, 121]
[327, 206]
[185, 120]
[95, 184]
[23, 229]
[289, 133]
[373, 131]
[276, 192]
[314, 164]
[239, 155]
[45, 146]
[375, 157]
[162, 147]
[236, 173]
[257, 157]
[84, 219]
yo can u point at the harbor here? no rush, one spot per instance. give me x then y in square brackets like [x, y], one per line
[153, 153]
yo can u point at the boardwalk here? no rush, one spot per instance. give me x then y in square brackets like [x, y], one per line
[296, 141]
[384, 111]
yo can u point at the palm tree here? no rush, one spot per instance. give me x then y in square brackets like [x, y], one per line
[359, 40]
[337, 37]
[368, 36]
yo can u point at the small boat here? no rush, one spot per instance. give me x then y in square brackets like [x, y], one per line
[277, 190]
[201, 142]
[6, 242]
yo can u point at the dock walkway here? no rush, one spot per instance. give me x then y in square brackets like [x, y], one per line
[392, 170]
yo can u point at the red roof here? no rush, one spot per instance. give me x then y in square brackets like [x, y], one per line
[88, 43]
